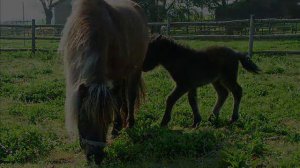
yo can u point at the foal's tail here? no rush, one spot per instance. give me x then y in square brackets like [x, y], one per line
[248, 64]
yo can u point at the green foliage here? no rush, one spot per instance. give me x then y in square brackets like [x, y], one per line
[40, 92]
[37, 112]
[24, 144]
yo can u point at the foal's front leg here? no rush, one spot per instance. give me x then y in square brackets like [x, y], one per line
[192, 95]
[171, 100]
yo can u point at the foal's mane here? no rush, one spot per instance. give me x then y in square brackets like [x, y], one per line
[171, 44]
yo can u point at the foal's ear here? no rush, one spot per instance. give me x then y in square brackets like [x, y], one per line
[156, 37]
[82, 90]
[159, 37]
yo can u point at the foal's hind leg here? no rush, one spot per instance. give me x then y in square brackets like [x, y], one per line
[192, 95]
[171, 100]
[222, 93]
[237, 93]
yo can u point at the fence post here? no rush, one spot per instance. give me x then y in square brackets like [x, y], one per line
[33, 38]
[168, 26]
[251, 36]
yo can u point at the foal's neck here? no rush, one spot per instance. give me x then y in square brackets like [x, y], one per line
[175, 53]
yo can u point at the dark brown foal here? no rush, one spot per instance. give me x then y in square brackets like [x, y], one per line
[191, 69]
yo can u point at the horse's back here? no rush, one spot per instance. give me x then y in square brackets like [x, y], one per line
[130, 37]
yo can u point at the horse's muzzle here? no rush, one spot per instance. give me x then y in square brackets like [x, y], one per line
[94, 154]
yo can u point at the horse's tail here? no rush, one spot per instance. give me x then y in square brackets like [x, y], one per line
[248, 64]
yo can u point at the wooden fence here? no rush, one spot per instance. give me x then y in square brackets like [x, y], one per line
[217, 30]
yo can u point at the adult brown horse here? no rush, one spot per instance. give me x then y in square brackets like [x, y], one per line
[104, 44]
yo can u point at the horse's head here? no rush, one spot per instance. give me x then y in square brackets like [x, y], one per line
[156, 50]
[95, 107]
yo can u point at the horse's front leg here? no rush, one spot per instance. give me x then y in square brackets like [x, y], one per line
[171, 100]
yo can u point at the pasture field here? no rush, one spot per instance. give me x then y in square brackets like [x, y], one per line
[32, 132]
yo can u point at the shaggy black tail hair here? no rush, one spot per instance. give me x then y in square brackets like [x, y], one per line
[248, 64]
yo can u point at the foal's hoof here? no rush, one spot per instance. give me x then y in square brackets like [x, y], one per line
[195, 124]
[164, 125]
[165, 121]
[233, 120]
[213, 119]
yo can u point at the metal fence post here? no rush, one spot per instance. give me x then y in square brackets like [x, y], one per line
[33, 38]
[251, 36]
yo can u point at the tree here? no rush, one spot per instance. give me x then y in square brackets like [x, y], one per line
[156, 10]
[48, 6]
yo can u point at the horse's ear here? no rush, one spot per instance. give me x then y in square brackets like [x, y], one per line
[82, 90]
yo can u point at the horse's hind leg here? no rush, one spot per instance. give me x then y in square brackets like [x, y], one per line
[117, 125]
[237, 93]
[192, 96]
[222, 93]
[133, 93]
[171, 100]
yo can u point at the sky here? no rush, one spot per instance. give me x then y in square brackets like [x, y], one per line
[11, 10]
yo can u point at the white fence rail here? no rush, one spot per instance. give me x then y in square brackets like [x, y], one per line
[251, 29]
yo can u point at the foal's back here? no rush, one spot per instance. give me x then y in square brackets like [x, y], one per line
[209, 65]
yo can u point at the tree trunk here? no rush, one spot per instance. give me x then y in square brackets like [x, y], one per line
[49, 16]
[224, 3]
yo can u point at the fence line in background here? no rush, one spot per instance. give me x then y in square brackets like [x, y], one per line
[251, 22]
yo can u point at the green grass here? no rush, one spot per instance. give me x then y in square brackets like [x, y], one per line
[17, 44]
[267, 134]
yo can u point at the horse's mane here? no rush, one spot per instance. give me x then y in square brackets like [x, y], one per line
[76, 45]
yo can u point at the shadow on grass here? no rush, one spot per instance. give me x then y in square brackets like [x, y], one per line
[142, 143]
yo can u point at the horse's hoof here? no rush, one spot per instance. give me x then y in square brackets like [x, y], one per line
[130, 123]
[129, 126]
[114, 134]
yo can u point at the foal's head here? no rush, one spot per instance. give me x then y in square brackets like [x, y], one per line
[157, 49]
[93, 119]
